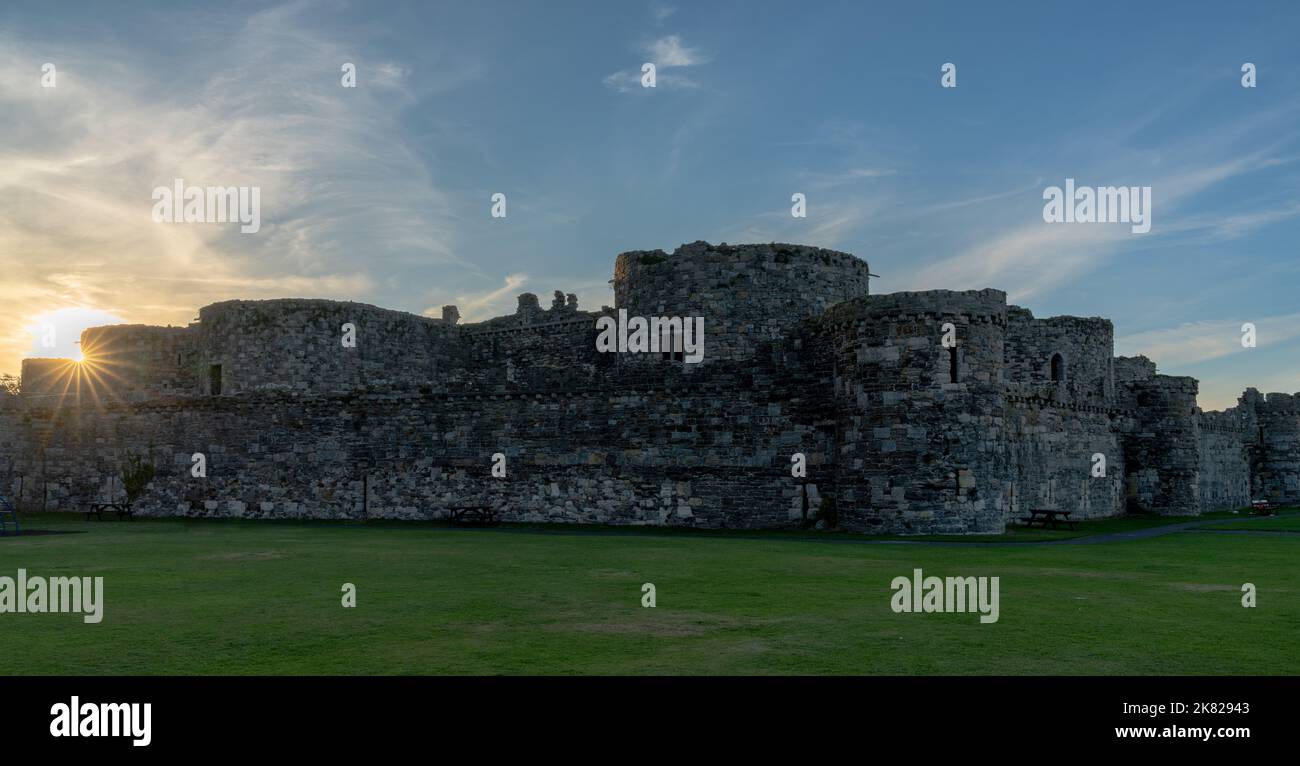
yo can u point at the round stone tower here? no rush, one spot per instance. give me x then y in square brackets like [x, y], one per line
[295, 344]
[919, 408]
[747, 294]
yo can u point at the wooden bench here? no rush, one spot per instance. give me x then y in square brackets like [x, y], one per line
[1046, 516]
[472, 515]
[121, 509]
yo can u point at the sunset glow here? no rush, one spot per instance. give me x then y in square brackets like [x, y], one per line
[57, 334]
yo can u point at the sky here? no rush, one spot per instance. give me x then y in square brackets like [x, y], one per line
[381, 193]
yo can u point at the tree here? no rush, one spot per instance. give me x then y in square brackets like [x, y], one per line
[136, 475]
[10, 384]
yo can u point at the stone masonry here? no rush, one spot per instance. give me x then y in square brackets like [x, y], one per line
[901, 433]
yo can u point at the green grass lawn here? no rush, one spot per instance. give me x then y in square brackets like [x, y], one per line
[1280, 523]
[230, 597]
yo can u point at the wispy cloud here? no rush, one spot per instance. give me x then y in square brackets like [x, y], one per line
[503, 300]
[947, 205]
[1212, 227]
[485, 305]
[823, 181]
[670, 52]
[828, 223]
[389, 75]
[1032, 258]
[630, 82]
[666, 53]
[662, 12]
[1025, 262]
[1192, 342]
[341, 192]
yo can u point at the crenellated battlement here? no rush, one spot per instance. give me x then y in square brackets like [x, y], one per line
[973, 306]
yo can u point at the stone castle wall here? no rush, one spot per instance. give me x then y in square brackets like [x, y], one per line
[138, 362]
[712, 457]
[1228, 446]
[1278, 464]
[748, 295]
[1050, 449]
[918, 451]
[1162, 445]
[51, 379]
[1085, 347]
[297, 345]
[901, 433]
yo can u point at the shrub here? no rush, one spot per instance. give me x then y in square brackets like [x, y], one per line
[136, 475]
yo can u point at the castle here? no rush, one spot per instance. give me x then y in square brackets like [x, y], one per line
[900, 431]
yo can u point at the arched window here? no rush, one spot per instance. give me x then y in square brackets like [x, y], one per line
[952, 364]
[1058, 368]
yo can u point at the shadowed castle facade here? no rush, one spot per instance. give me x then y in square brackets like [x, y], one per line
[901, 433]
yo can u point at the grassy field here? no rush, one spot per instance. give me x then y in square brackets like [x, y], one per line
[1282, 523]
[230, 597]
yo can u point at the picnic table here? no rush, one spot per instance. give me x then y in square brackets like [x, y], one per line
[1046, 516]
[472, 515]
[121, 509]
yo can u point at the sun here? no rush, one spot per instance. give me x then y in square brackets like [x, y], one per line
[57, 333]
[66, 370]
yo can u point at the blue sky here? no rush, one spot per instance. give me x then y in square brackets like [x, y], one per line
[381, 193]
